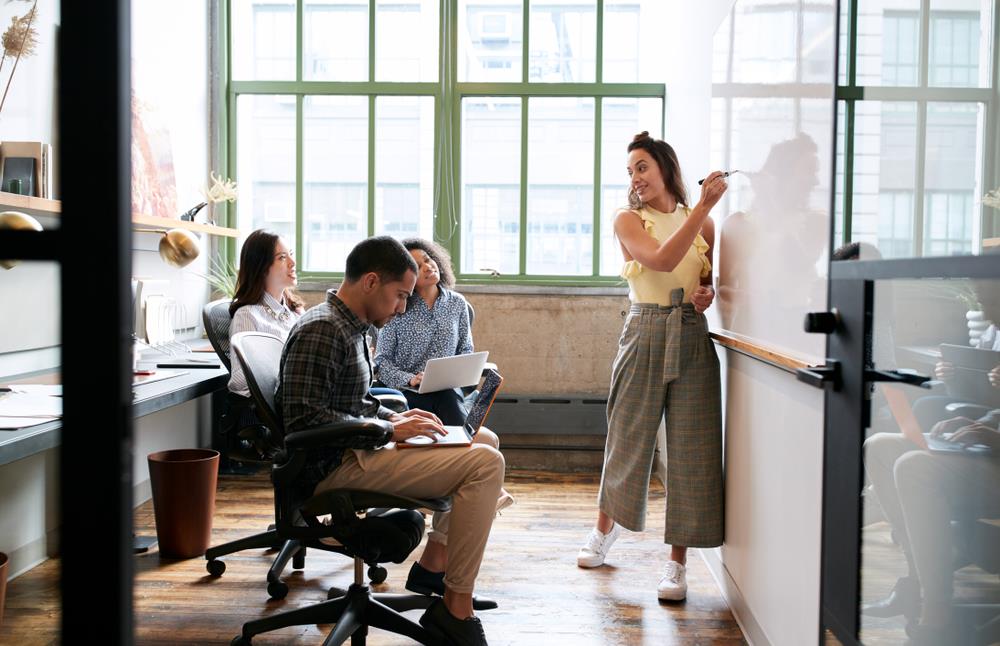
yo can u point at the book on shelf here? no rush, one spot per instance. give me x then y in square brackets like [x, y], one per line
[41, 153]
[21, 170]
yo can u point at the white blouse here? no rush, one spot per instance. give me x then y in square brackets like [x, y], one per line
[270, 316]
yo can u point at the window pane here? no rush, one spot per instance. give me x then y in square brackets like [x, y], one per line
[265, 163]
[560, 187]
[404, 166]
[335, 40]
[952, 178]
[888, 42]
[491, 184]
[959, 45]
[406, 40]
[632, 45]
[563, 42]
[885, 151]
[490, 40]
[621, 119]
[263, 40]
[335, 179]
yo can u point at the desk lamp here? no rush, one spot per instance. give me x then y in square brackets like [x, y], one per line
[16, 220]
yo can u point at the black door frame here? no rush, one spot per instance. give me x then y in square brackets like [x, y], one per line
[846, 418]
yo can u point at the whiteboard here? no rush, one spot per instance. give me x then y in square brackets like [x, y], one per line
[772, 119]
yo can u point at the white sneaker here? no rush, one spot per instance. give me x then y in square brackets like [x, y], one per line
[504, 501]
[673, 586]
[593, 553]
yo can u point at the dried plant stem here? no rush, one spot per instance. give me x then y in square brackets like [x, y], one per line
[24, 39]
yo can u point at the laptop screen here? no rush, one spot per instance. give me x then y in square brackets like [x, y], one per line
[488, 392]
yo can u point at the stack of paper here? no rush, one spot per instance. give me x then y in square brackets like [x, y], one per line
[19, 409]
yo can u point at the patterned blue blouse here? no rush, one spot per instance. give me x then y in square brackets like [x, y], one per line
[410, 339]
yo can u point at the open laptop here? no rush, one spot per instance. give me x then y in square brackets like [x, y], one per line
[452, 372]
[463, 435]
[971, 381]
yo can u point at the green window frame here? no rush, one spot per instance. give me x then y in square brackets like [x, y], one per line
[448, 94]
[849, 93]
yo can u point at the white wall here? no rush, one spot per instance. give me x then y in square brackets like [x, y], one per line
[769, 566]
[170, 67]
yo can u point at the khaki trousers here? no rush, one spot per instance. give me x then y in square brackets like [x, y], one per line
[472, 476]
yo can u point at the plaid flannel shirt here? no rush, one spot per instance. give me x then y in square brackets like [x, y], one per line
[325, 377]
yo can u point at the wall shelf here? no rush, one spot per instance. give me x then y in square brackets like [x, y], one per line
[54, 207]
[171, 223]
[15, 201]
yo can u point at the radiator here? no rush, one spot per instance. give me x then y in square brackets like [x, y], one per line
[549, 415]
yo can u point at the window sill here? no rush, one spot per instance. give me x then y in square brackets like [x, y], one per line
[307, 286]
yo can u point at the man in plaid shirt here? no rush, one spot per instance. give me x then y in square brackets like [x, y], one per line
[325, 375]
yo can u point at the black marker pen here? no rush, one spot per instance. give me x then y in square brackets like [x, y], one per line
[726, 174]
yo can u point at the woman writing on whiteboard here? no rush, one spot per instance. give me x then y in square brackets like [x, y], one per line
[666, 365]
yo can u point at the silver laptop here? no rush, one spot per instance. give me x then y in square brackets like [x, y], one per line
[463, 435]
[453, 372]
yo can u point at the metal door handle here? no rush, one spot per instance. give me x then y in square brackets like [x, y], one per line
[898, 376]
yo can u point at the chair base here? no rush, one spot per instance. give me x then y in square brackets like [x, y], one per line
[353, 613]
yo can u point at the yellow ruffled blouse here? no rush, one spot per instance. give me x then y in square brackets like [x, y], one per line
[648, 286]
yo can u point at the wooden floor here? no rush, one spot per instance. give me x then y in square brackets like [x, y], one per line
[530, 569]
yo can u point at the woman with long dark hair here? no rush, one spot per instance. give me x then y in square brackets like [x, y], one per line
[666, 365]
[265, 300]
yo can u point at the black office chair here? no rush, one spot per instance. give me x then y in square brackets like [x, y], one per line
[371, 540]
[266, 351]
[215, 316]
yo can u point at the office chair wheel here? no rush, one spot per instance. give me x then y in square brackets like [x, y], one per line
[377, 574]
[335, 592]
[299, 560]
[277, 590]
[215, 567]
[240, 641]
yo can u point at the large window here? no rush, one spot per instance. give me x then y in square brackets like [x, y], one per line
[497, 127]
[916, 101]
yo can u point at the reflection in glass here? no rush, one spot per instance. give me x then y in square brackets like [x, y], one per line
[560, 186]
[959, 44]
[888, 42]
[263, 44]
[621, 119]
[335, 179]
[563, 42]
[335, 40]
[931, 526]
[490, 41]
[777, 43]
[885, 150]
[404, 166]
[491, 184]
[266, 164]
[406, 40]
[951, 184]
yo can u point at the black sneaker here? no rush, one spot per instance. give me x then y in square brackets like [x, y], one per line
[450, 630]
[423, 581]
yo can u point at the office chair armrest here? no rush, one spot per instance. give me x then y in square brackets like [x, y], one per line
[395, 403]
[356, 434]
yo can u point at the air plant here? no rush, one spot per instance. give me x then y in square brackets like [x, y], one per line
[20, 40]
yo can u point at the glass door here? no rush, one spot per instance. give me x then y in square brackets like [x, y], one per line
[911, 503]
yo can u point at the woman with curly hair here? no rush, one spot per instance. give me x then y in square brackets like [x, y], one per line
[435, 324]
